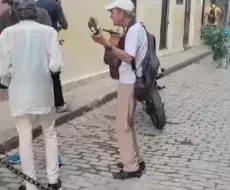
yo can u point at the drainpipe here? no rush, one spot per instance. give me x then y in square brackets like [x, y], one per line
[228, 15]
[202, 16]
[135, 5]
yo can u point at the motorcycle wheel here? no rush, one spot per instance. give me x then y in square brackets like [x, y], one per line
[155, 109]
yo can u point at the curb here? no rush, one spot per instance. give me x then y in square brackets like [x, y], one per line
[77, 82]
[13, 142]
[186, 63]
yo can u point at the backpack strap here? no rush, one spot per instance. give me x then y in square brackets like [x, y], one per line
[122, 42]
[133, 63]
[213, 8]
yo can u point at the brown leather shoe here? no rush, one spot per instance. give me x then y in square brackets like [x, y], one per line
[22, 187]
[141, 165]
[122, 175]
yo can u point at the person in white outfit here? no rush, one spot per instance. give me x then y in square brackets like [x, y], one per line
[28, 52]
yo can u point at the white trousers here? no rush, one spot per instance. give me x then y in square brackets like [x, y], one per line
[24, 126]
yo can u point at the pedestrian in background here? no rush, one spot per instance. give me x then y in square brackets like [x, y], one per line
[59, 22]
[28, 52]
[213, 15]
[9, 18]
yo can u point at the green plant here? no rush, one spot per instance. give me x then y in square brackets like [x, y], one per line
[217, 40]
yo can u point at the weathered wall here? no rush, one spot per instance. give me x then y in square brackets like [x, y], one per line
[149, 12]
[195, 22]
[176, 26]
[83, 57]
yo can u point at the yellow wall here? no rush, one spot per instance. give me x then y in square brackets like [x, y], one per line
[195, 22]
[150, 13]
[81, 55]
[176, 26]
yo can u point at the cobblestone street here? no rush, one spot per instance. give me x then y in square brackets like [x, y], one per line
[191, 153]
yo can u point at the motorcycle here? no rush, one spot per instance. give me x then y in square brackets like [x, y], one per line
[154, 106]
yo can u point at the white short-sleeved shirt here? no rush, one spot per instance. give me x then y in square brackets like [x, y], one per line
[136, 45]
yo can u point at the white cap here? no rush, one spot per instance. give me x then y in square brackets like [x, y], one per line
[126, 5]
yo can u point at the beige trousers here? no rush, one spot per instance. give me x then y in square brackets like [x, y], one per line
[24, 126]
[126, 134]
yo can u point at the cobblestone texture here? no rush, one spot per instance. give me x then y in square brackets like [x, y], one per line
[191, 153]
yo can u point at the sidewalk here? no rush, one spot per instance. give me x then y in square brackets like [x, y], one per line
[89, 93]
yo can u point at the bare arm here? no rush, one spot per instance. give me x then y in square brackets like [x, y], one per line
[121, 54]
[206, 12]
[131, 46]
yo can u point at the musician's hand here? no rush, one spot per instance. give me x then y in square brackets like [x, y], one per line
[100, 39]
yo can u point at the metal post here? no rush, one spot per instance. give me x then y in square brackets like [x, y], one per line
[228, 15]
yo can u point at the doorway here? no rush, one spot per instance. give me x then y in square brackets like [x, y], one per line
[187, 22]
[164, 24]
[202, 17]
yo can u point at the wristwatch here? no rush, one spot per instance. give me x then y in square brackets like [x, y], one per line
[108, 47]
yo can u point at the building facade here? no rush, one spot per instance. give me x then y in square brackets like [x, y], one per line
[175, 23]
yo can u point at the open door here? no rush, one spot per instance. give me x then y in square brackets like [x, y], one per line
[202, 17]
[187, 22]
[164, 24]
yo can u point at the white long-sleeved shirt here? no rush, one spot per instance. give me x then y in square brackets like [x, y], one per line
[29, 51]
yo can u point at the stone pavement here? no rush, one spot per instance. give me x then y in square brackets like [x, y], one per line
[84, 94]
[191, 153]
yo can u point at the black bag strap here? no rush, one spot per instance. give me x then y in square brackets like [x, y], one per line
[121, 43]
[133, 63]
[212, 8]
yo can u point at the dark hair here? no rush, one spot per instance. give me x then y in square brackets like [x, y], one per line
[213, 1]
[26, 11]
[12, 12]
[9, 2]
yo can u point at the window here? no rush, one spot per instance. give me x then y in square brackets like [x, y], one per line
[179, 2]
